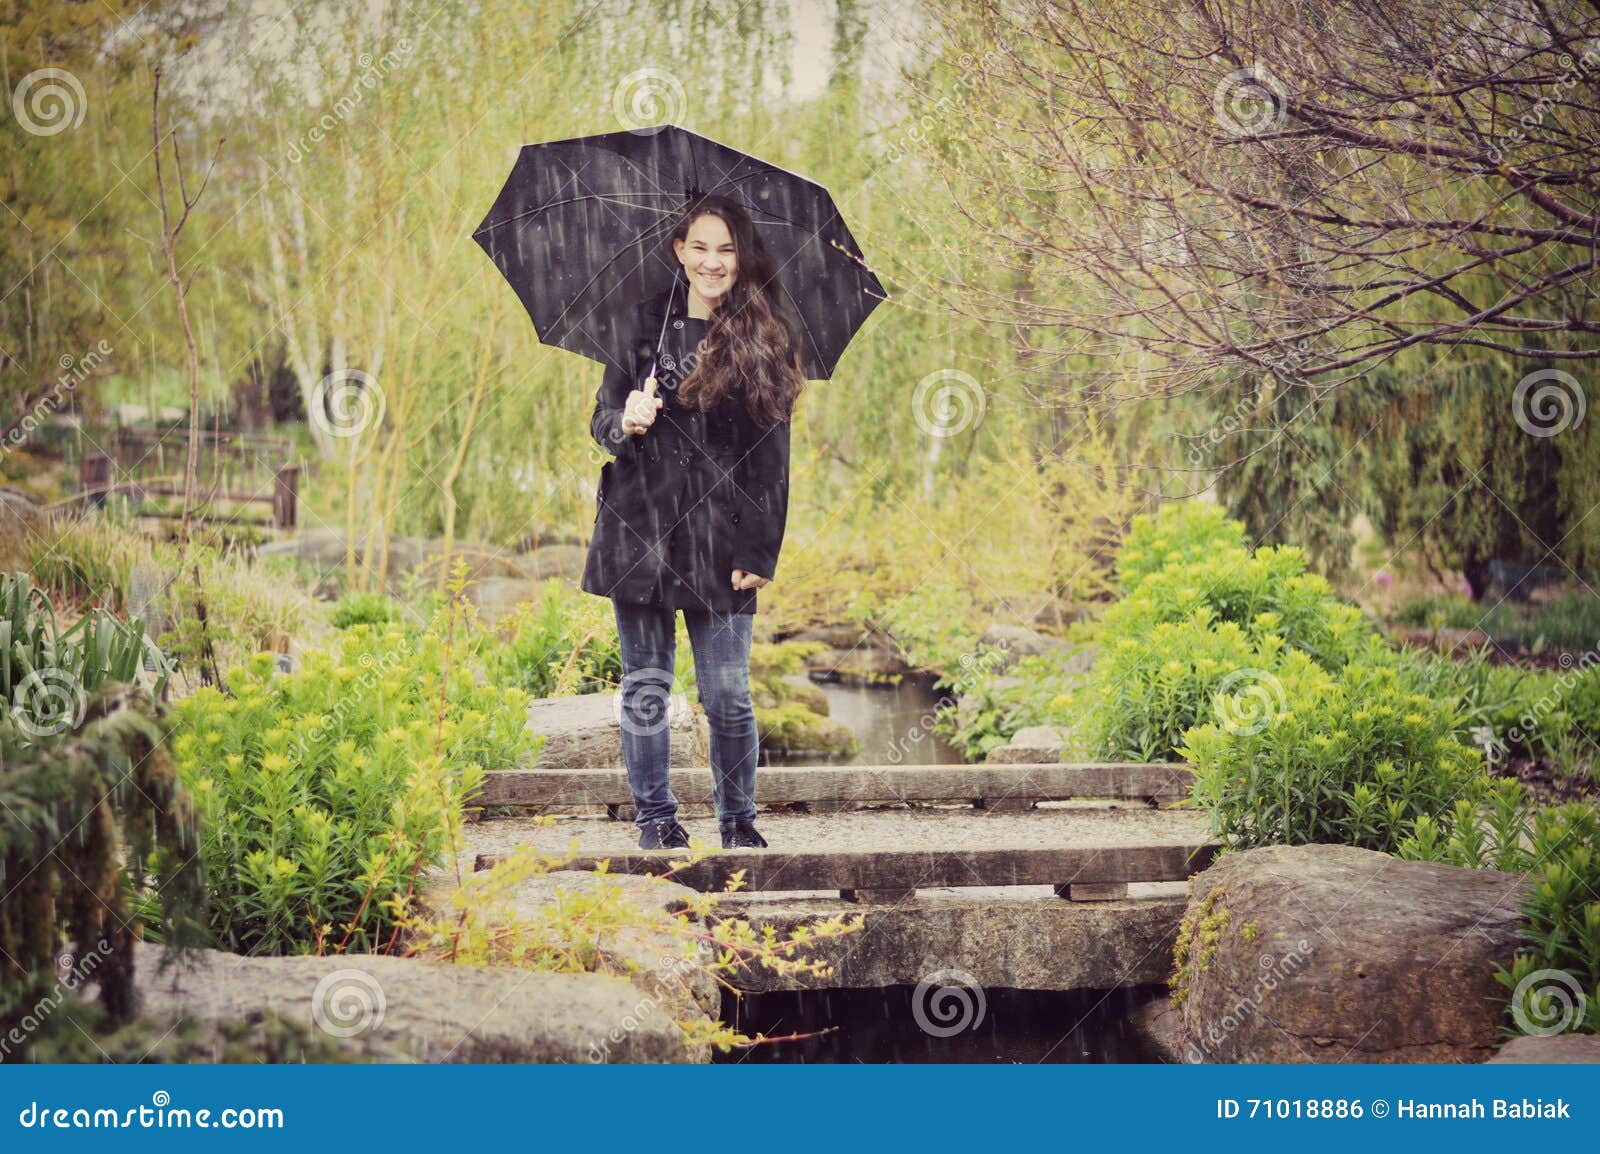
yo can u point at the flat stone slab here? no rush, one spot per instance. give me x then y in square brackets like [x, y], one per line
[846, 785]
[585, 729]
[1001, 938]
[427, 1011]
[887, 850]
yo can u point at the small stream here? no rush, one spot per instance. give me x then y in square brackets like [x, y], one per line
[885, 1025]
[893, 723]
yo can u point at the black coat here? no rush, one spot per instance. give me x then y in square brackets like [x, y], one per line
[697, 496]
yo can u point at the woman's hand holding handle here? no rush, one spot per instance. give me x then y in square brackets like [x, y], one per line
[639, 411]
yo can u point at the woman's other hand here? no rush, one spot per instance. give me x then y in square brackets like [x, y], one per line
[743, 579]
[639, 411]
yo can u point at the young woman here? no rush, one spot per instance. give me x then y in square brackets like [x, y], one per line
[691, 509]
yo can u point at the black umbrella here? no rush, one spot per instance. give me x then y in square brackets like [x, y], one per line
[580, 231]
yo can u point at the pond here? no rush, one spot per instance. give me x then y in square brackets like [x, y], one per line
[887, 1025]
[892, 723]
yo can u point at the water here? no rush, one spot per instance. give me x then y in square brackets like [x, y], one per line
[892, 723]
[885, 1025]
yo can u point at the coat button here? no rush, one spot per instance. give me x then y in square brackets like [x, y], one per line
[736, 518]
[677, 324]
[667, 361]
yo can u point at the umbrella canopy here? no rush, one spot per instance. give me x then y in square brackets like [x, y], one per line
[580, 230]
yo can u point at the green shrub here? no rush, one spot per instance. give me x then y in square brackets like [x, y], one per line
[1146, 691]
[1181, 533]
[79, 808]
[365, 609]
[1446, 613]
[1310, 756]
[1036, 690]
[326, 792]
[1266, 594]
[565, 642]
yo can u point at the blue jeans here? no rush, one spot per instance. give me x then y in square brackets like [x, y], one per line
[721, 644]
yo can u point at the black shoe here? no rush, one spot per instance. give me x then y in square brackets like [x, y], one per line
[663, 833]
[742, 835]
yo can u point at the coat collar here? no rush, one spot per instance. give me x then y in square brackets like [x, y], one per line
[659, 308]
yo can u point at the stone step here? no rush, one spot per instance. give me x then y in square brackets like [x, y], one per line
[888, 855]
[845, 786]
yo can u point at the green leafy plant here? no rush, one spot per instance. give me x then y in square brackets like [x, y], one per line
[1182, 533]
[365, 609]
[44, 671]
[1349, 758]
[564, 642]
[328, 791]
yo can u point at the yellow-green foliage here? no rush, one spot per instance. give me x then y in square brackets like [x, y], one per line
[1199, 933]
[327, 791]
[577, 929]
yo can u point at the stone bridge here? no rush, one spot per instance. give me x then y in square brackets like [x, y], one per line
[1047, 876]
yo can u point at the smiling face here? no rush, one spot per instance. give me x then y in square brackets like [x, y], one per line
[708, 258]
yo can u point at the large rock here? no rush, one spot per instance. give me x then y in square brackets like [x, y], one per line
[1328, 953]
[21, 514]
[495, 597]
[1559, 1049]
[1032, 744]
[584, 731]
[422, 1011]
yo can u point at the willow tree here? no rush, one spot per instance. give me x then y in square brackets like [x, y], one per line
[1248, 206]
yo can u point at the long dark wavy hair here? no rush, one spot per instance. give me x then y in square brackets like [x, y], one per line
[750, 348]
